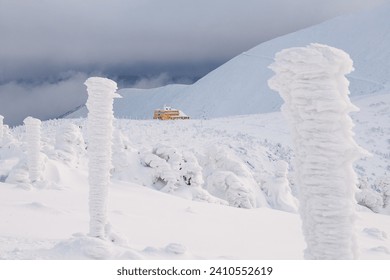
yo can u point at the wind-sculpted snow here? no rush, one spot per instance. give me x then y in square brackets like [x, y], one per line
[101, 93]
[311, 81]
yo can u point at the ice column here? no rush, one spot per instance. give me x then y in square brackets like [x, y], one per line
[101, 93]
[312, 83]
[34, 158]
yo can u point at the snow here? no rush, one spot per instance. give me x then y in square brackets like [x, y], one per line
[311, 81]
[239, 87]
[149, 223]
[34, 157]
[101, 93]
[220, 188]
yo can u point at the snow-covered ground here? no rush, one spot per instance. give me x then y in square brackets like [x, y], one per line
[201, 189]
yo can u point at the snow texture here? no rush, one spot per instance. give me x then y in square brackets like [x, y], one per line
[34, 156]
[311, 81]
[101, 94]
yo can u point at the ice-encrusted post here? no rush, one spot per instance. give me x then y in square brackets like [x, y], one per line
[34, 157]
[312, 82]
[101, 94]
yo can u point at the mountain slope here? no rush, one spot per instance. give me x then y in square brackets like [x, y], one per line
[240, 85]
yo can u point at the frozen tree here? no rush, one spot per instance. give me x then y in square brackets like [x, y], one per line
[69, 142]
[229, 179]
[34, 156]
[278, 189]
[312, 83]
[119, 156]
[101, 94]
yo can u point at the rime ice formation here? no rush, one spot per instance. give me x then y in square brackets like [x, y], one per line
[34, 157]
[278, 190]
[69, 143]
[101, 94]
[231, 180]
[312, 83]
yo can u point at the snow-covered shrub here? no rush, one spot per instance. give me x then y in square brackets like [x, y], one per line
[228, 186]
[19, 175]
[70, 145]
[370, 198]
[383, 186]
[312, 83]
[34, 156]
[191, 171]
[178, 172]
[101, 94]
[120, 153]
[278, 191]
[10, 146]
[229, 179]
[164, 178]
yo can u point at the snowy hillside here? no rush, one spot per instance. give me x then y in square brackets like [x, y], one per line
[179, 189]
[240, 85]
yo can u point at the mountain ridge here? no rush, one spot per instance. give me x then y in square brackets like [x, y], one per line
[239, 86]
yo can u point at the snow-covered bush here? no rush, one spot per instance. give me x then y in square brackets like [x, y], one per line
[370, 198]
[101, 94]
[70, 145]
[178, 172]
[383, 186]
[34, 156]
[19, 175]
[312, 83]
[229, 179]
[120, 154]
[164, 178]
[278, 191]
[191, 171]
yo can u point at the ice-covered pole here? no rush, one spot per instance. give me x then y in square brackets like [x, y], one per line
[312, 82]
[34, 157]
[101, 93]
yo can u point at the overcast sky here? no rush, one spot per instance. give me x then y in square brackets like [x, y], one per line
[49, 47]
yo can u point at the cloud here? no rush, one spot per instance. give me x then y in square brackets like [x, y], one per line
[41, 37]
[43, 101]
[126, 39]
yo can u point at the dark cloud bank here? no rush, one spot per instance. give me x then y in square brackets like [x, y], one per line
[49, 47]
